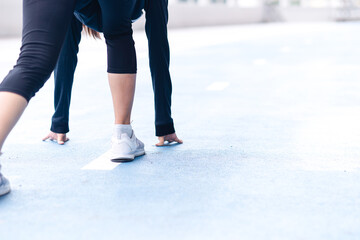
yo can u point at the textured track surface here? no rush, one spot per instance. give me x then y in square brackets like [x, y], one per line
[270, 119]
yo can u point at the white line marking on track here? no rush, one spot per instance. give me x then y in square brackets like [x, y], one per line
[217, 86]
[102, 163]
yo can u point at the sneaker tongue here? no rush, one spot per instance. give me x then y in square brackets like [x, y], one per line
[124, 135]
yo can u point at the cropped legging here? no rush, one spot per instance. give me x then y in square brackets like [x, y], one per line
[45, 23]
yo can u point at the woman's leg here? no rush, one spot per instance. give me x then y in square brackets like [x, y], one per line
[125, 145]
[45, 23]
[122, 88]
[11, 107]
[116, 18]
[44, 27]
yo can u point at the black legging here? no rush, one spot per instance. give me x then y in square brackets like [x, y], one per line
[45, 23]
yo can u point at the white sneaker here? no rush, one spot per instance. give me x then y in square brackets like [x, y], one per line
[4, 185]
[126, 149]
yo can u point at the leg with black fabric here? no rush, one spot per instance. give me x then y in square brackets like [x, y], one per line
[44, 27]
[116, 18]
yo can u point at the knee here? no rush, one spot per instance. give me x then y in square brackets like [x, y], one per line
[23, 81]
[36, 60]
[121, 54]
[29, 74]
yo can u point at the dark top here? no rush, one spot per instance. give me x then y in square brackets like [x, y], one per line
[156, 13]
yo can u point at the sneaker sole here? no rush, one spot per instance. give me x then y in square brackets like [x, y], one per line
[5, 192]
[128, 158]
[5, 188]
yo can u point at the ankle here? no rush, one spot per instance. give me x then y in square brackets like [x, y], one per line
[120, 129]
